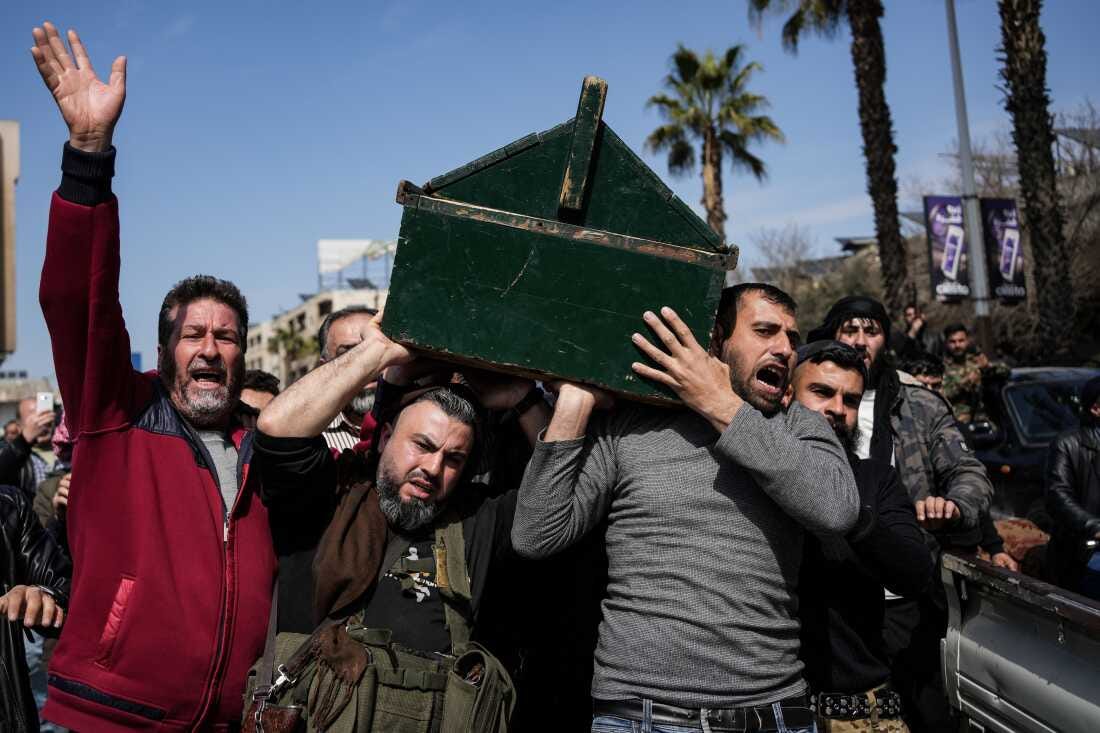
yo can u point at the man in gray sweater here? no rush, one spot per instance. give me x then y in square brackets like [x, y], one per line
[706, 511]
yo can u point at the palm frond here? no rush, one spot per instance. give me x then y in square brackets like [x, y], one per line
[823, 17]
[741, 79]
[732, 58]
[681, 158]
[685, 64]
[740, 157]
[669, 107]
[759, 8]
[664, 137]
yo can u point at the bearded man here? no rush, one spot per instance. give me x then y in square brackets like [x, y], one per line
[172, 556]
[338, 333]
[706, 510]
[843, 576]
[392, 499]
[965, 373]
[912, 428]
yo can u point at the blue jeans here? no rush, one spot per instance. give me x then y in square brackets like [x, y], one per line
[612, 724]
[37, 670]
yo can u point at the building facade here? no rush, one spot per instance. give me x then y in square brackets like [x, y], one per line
[286, 344]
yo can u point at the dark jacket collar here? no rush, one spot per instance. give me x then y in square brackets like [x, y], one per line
[162, 417]
[1090, 437]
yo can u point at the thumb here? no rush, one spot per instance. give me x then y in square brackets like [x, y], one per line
[117, 80]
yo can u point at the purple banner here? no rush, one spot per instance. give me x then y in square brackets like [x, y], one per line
[947, 248]
[1004, 252]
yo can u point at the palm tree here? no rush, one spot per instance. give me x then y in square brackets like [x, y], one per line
[1024, 73]
[292, 346]
[708, 102]
[825, 18]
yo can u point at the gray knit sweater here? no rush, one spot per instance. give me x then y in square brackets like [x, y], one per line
[704, 543]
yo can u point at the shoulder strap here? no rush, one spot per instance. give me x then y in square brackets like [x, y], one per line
[452, 577]
[267, 662]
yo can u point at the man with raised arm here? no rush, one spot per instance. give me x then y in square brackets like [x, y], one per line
[425, 448]
[707, 508]
[172, 556]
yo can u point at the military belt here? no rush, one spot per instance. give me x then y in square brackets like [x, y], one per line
[880, 703]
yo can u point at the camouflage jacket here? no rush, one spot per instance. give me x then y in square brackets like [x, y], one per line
[930, 454]
[962, 385]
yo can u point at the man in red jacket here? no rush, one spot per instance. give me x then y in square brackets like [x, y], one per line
[170, 542]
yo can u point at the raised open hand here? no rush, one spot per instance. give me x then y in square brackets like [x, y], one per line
[89, 107]
[699, 378]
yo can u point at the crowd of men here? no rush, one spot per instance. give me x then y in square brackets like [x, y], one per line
[392, 543]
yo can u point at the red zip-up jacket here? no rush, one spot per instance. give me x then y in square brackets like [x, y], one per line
[168, 608]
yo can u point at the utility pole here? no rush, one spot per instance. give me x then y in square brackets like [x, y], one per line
[972, 216]
[9, 175]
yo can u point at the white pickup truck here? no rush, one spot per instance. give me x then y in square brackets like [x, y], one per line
[1020, 654]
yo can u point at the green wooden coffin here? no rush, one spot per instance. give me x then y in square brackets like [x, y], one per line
[540, 258]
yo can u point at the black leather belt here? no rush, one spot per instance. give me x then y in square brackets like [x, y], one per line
[837, 706]
[796, 714]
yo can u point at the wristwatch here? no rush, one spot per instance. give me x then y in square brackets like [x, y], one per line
[532, 398]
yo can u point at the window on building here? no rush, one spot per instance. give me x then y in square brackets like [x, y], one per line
[324, 308]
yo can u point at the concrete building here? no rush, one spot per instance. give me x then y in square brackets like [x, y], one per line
[9, 175]
[16, 386]
[286, 345]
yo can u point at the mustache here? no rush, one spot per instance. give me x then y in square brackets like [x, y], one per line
[418, 474]
[200, 364]
[776, 362]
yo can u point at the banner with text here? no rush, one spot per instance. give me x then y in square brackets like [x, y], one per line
[947, 247]
[1001, 230]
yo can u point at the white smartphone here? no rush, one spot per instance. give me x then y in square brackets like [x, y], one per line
[45, 401]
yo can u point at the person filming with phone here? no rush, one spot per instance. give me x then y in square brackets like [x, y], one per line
[26, 460]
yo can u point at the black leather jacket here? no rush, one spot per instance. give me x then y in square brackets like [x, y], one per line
[16, 468]
[28, 556]
[1073, 501]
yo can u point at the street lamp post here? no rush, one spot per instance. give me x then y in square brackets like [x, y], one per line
[972, 217]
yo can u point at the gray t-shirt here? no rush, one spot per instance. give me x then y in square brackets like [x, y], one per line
[704, 544]
[224, 453]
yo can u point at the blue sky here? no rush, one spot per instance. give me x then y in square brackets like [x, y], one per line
[253, 129]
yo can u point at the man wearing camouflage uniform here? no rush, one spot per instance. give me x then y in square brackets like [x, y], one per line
[963, 372]
[913, 428]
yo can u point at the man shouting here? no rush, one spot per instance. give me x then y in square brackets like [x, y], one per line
[171, 547]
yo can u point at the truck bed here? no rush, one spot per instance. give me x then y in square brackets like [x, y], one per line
[1020, 654]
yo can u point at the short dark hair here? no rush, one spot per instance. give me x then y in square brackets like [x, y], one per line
[726, 319]
[460, 403]
[922, 365]
[843, 355]
[331, 318]
[199, 287]
[260, 381]
[953, 328]
[914, 305]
